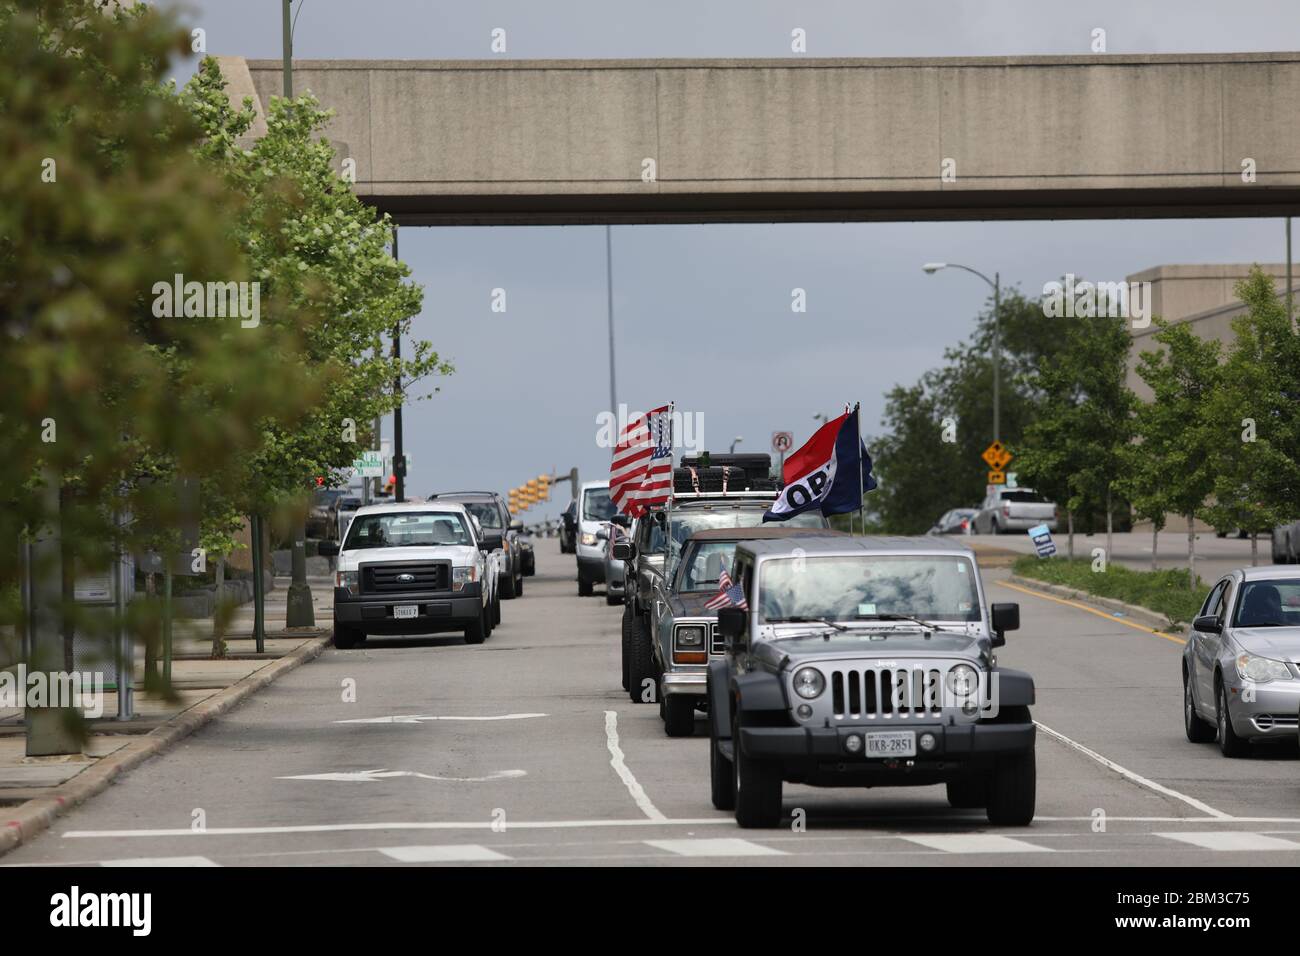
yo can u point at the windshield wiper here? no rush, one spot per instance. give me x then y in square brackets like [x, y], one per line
[902, 617]
[800, 619]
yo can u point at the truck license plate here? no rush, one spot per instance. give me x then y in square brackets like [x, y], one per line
[900, 743]
[406, 610]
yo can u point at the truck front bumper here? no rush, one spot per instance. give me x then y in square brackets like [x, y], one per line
[689, 684]
[439, 611]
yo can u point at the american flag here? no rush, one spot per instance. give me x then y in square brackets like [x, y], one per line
[641, 472]
[729, 595]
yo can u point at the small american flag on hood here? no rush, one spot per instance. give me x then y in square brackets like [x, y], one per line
[729, 595]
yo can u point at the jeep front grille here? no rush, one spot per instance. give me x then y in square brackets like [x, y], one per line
[888, 692]
[426, 576]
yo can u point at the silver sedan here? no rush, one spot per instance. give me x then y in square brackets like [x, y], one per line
[1241, 679]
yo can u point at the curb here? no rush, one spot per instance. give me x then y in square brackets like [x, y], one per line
[37, 815]
[1142, 615]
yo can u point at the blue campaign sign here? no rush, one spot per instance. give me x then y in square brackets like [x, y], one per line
[1042, 538]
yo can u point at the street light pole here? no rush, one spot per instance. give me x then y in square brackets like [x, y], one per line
[609, 312]
[399, 457]
[930, 268]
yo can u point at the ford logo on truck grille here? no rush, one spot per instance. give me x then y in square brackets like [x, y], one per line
[405, 578]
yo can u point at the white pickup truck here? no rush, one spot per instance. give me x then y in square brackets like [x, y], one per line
[1014, 509]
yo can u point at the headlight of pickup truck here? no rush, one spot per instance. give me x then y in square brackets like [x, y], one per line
[1261, 669]
[588, 539]
[809, 682]
[350, 580]
[463, 576]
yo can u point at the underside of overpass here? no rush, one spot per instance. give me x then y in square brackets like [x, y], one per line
[661, 141]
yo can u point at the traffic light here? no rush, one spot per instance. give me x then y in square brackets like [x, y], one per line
[544, 486]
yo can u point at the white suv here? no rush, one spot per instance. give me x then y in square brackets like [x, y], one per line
[413, 568]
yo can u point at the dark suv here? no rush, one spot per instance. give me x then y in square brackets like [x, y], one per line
[494, 515]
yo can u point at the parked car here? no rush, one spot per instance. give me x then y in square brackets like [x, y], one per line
[615, 570]
[413, 568]
[1014, 509]
[594, 509]
[1241, 662]
[956, 521]
[493, 513]
[569, 528]
[867, 662]
[527, 556]
[685, 627]
[320, 515]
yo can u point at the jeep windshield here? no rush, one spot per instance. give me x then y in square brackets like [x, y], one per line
[407, 530]
[875, 587]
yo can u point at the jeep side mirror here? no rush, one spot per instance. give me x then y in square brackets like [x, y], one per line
[624, 550]
[327, 549]
[1208, 624]
[1006, 617]
[733, 623]
[490, 542]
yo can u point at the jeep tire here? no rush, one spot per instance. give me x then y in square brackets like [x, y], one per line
[758, 786]
[1013, 788]
[722, 776]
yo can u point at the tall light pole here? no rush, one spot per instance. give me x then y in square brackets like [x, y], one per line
[736, 441]
[995, 283]
[609, 313]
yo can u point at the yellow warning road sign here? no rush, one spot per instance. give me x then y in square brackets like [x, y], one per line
[997, 456]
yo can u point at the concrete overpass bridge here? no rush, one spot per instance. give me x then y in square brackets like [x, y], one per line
[652, 141]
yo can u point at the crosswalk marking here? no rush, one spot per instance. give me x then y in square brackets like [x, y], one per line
[725, 846]
[975, 843]
[161, 861]
[452, 853]
[1229, 840]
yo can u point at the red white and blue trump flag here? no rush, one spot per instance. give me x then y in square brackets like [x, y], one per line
[829, 473]
[641, 472]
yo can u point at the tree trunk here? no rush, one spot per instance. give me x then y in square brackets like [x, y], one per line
[1069, 523]
[1155, 543]
[1110, 528]
[218, 636]
[1254, 548]
[1191, 553]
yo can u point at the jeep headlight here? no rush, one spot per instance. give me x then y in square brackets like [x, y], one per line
[588, 539]
[962, 681]
[690, 637]
[809, 682]
[1261, 669]
[463, 576]
[348, 579]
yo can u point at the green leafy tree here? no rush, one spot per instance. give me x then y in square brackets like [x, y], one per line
[1177, 427]
[1254, 413]
[1073, 452]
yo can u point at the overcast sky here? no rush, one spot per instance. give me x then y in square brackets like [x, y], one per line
[702, 313]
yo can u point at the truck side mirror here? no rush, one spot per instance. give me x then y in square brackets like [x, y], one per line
[490, 542]
[327, 549]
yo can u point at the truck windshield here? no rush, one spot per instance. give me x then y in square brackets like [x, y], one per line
[862, 588]
[686, 523]
[596, 505]
[407, 529]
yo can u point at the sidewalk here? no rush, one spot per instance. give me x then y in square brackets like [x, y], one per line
[35, 790]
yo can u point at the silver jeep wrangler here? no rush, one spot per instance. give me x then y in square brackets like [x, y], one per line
[867, 662]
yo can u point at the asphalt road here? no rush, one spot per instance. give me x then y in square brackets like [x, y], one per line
[524, 750]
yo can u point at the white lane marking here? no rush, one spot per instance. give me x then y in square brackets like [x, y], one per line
[1134, 777]
[161, 861]
[624, 774]
[1230, 840]
[434, 825]
[421, 718]
[725, 846]
[365, 776]
[451, 853]
[975, 843]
